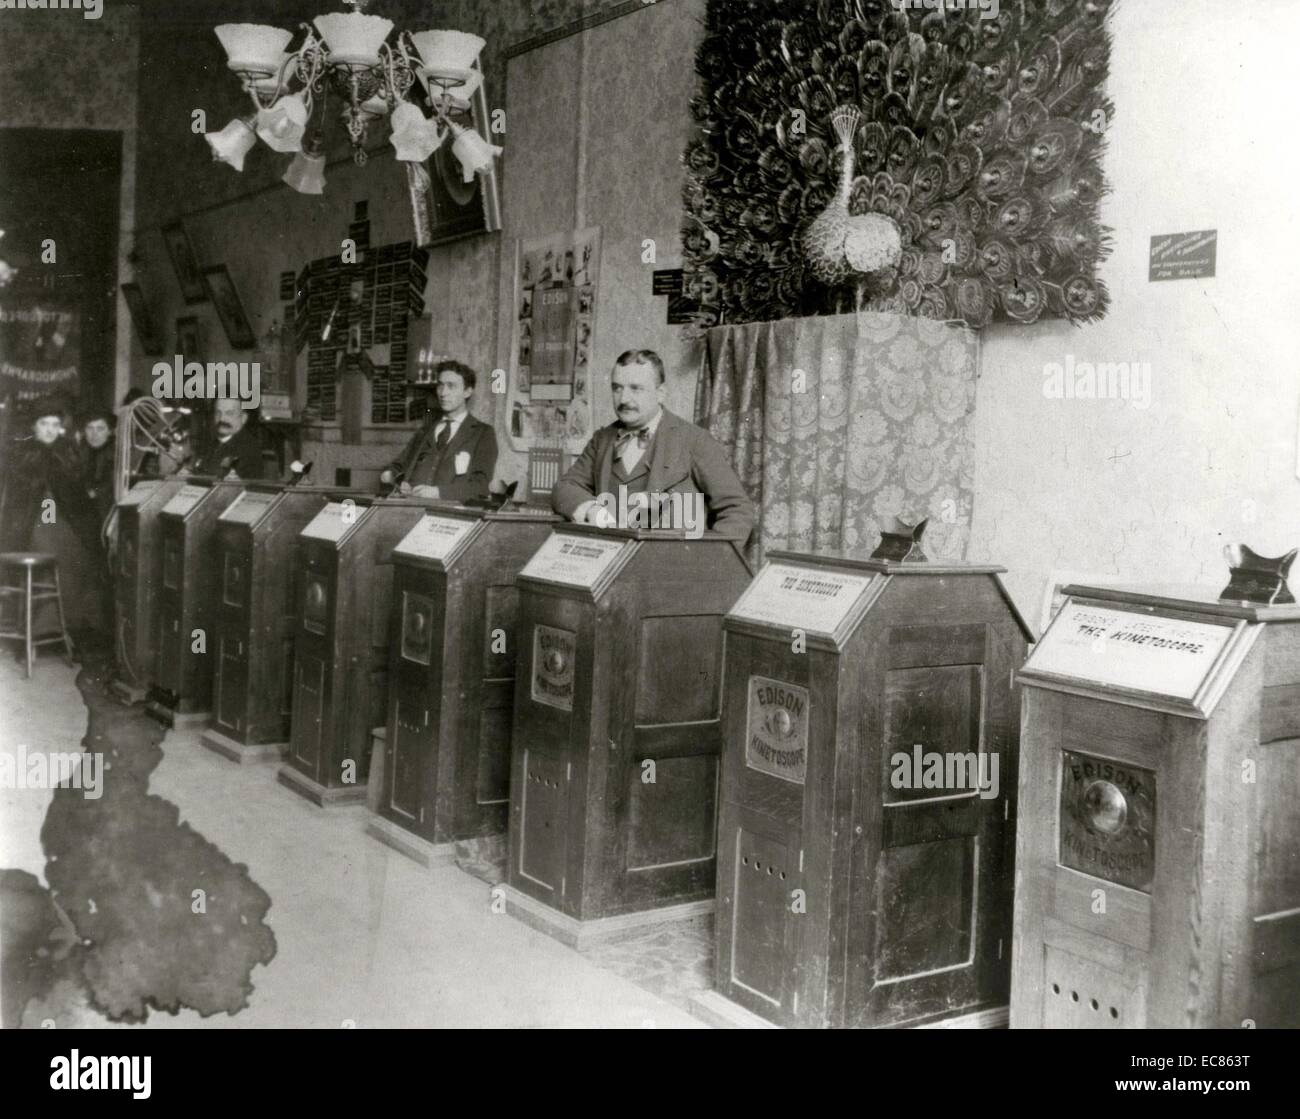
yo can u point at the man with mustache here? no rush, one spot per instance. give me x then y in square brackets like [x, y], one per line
[237, 449]
[649, 450]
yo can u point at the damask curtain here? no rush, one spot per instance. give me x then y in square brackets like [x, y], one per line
[838, 423]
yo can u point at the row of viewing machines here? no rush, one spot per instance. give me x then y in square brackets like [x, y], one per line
[900, 817]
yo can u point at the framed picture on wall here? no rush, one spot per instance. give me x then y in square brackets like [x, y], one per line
[443, 206]
[189, 338]
[142, 319]
[185, 262]
[221, 290]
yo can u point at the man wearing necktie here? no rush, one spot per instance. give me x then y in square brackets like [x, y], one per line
[651, 451]
[453, 456]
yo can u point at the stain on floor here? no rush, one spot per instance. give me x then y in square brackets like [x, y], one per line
[142, 911]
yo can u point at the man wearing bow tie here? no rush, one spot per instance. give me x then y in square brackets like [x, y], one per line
[648, 450]
[453, 455]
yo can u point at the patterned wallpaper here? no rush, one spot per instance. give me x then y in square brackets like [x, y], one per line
[59, 70]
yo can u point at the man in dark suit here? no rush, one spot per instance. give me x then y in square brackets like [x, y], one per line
[236, 449]
[648, 450]
[453, 456]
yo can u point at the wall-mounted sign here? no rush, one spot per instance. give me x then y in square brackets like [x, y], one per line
[577, 561]
[1184, 256]
[682, 308]
[804, 598]
[666, 281]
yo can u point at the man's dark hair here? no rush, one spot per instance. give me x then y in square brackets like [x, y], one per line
[89, 415]
[640, 357]
[466, 373]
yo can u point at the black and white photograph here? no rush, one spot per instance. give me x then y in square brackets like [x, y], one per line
[230, 311]
[184, 263]
[757, 514]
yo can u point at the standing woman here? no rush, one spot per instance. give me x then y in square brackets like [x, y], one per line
[98, 467]
[98, 460]
[44, 508]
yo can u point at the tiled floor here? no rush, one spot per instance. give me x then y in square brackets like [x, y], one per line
[363, 935]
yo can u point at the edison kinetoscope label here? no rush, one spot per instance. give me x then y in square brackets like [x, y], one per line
[553, 667]
[776, 736]
[1108, 817]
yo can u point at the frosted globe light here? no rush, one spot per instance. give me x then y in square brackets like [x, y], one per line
[353, 38]
[232, 143]
[253, 48]
[281, 127]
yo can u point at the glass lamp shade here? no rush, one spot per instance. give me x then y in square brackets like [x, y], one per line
[306, 173]
[231, 144]
[376, 106]
[272, 85]
[353, 38]
[447, 53]
[474, 153]
[253, 48]
[281, 127]
[414, 138]
[460, 92]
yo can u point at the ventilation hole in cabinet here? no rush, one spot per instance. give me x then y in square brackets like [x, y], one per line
[1114, 1013]
[745, 861]
[1095, 1004]
[1074, 995]
[1056, 988]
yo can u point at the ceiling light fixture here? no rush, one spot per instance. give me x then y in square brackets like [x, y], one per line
[348, 55]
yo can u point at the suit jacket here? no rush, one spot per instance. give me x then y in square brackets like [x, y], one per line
[97, 476]
[473, 437]
[244, 448]
[32, 471]
[683, 459]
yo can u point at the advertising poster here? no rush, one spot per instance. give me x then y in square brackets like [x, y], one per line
[554, 328]
[40, 349]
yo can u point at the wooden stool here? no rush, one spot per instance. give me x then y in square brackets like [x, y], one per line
[32, 591]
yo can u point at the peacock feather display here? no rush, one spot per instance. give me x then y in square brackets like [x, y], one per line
[908, 155]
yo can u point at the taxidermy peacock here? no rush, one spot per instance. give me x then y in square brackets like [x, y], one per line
[917, 158]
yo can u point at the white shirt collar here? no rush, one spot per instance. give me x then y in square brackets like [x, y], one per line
[455, 419]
